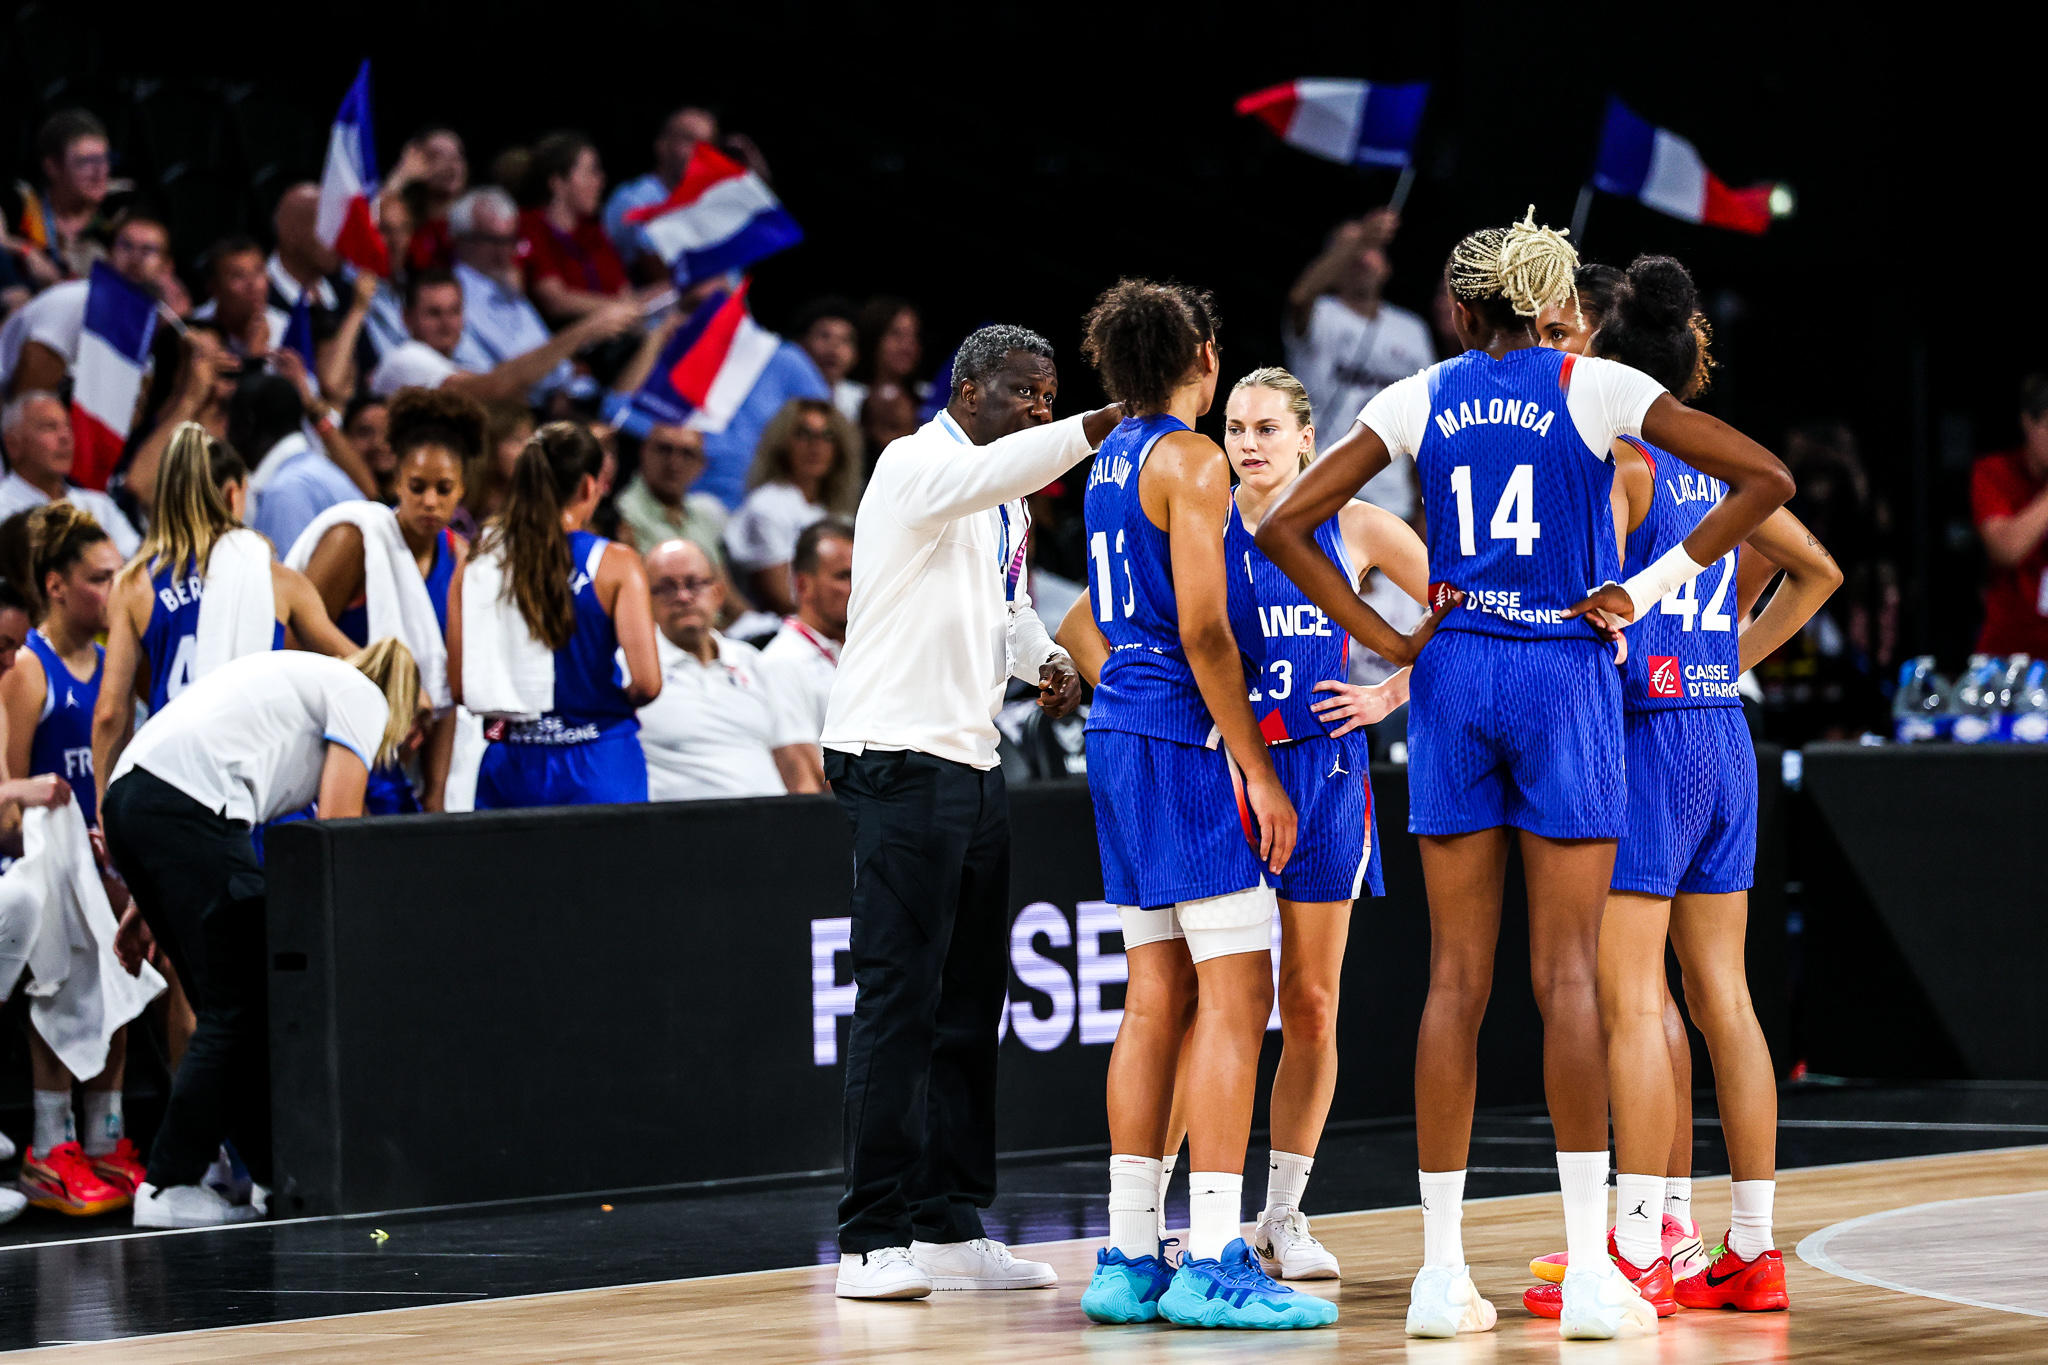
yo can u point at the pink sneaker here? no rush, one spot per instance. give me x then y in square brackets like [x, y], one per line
[1682, 1247]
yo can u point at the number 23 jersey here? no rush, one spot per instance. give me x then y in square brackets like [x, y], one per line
[1513, 458]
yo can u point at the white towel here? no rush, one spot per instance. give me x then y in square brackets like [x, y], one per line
[55, 919]
[506, 673]
[238, 609]
[394, 593]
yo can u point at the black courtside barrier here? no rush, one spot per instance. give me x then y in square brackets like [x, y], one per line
[520, 1004]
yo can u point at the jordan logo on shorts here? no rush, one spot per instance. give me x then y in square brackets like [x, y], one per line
[1337, 768]
[1664, 677]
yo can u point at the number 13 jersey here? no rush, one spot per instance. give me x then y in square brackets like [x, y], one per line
[1513, 459]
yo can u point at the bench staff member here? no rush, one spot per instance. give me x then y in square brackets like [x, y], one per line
[938, 621]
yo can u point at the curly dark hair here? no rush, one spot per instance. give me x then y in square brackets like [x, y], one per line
[1655, 324]
[440, 417]
[1144, 337]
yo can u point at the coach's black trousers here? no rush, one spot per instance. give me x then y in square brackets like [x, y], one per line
[195, 877]
[931, 887]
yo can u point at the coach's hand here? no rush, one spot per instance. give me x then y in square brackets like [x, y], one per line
[1059, 686]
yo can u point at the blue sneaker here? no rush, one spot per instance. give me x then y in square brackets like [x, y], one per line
[1126, 1288]
[1234, 1292]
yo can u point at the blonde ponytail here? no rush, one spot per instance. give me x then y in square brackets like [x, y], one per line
[389, 664]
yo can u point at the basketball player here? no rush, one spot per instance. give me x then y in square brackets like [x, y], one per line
[1688, 858]
[1515, 714]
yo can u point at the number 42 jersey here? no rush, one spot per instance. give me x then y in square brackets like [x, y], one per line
[1684, 652]
[1513, 459]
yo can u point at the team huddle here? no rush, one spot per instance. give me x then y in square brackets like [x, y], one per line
[1571, 689]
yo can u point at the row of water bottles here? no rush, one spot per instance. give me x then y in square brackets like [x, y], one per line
[1998, 699]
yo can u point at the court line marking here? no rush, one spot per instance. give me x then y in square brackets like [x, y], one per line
[1813, 1250]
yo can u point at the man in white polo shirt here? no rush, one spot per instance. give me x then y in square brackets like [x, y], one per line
[36, 428]
[717, 729]
[938, 623]
[803, 658]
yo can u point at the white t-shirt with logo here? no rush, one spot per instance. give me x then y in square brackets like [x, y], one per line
[249, 739]
[1344, 360]
[712, 730]
[802, 664]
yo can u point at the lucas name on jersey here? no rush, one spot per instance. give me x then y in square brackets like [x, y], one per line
[181, 592]
[1512, 412]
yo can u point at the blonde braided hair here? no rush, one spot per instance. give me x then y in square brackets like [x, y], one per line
[1528, 265]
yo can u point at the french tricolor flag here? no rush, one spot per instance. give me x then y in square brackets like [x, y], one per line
[720, 217]
[1661, 170]
[709, 365]
[348, 184]
[120, 320]
[1355, 122]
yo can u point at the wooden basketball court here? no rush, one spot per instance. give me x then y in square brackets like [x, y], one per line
[1922, 1241]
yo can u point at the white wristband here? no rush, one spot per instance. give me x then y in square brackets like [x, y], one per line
[1673, 570]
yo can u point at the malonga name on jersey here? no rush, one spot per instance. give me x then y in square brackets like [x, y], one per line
[1511, 412]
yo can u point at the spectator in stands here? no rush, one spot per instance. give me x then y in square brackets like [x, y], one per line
[432, 173]
[1346, 342]
[240, 303]
[891, 348]
[293, 480]
[2009, 501]
[657, 504]
[718, 728]
[54, 232]
[207, 377]
[498, 320]
[36, 427]
[680, 133]
[303, 263]
[803, 658]
[434, 317]
[829, 337]
[366, 422]
[729, 454]
[807, 468]
[572, 269]
[39, 343]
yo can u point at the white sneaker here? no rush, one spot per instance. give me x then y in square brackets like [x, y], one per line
[1443, 1303]
[1601, 1304]
[8, 1151]
[979, 1264]
[884, 1273]
[12, 1202]
[1287, 1252]
[186, 1206]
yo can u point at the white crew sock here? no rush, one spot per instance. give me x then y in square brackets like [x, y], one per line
[1749, 1222]
[53, 1120]
[1286, 1181]
[1583, 1178]
[1678, 1199]
[104, 1125]
[1443, 1217]
[1215, 1200]
[1639, 1218]
[1134, 1205]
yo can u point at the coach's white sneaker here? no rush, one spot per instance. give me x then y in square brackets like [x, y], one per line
[884, 1273]
[979, 1264]
[1286, 1251]
[8, 1151]
[1600, 1304]
[12, 1202]
[186, 1206]
[1443, 1303]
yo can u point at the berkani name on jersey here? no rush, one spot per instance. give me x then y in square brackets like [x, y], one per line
[1512, 412]
[180, 592]
[1116, 469]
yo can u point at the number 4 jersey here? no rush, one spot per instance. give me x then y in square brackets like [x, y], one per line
[1513, 459]
[1683, 652]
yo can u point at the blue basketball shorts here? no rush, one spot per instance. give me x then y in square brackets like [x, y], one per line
[1524, 733]
[608, 770]
[1336, 843]
[1691, 803]
[1170, 819]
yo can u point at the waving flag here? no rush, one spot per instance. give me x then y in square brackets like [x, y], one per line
[708, 367]
[1355, 122]
[120, 320]
[348, 184]
[720, 216]
[1661, 170]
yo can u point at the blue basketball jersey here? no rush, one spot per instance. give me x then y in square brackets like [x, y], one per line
[1288, 644]
[590, 696]
[354, 620]
[1518, 504]
[63, 738]
[1684, 651]
[1146, 687]
[169, 639]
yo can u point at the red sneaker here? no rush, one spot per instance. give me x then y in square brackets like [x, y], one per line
[1682, 1247]
[123, 1168]
[1654, 1284]
[1756, 1286]
[62, 1179]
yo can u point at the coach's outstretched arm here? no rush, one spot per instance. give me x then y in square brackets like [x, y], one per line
[935, 485]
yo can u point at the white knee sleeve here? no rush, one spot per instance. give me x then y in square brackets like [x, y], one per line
[1148, 926]
[1219, 926]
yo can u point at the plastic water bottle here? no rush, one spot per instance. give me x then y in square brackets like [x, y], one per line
[1975, 703]
[1920, 705]
[2011, 680]
[2029, 718]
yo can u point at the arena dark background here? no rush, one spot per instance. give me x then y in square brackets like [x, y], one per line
[1008, 161]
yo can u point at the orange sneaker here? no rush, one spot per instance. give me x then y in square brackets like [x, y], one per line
[1756, 1286]
[1654, 1284]
[62, 1179]
[123, 1168]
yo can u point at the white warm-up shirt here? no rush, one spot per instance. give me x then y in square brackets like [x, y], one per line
[712, 730]
[248, 740]
[933, 630]
[1606, 399]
